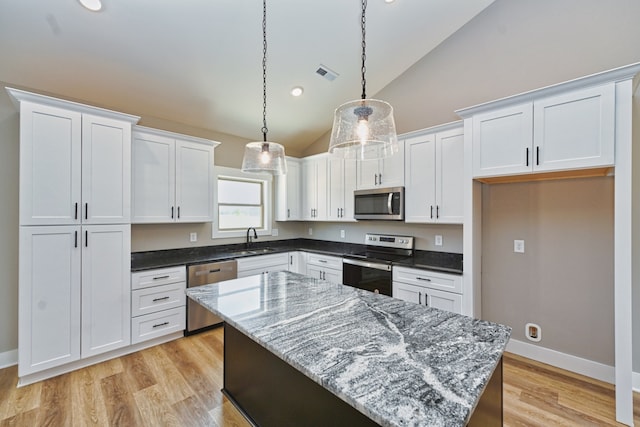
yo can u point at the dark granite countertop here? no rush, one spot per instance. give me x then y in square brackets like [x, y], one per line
[438, 261]
[399, 363]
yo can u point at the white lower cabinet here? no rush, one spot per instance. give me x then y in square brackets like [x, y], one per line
[298, 262]
[325, 267]
[428, 288]
[259, 264]
[74, 298]
[158, 302]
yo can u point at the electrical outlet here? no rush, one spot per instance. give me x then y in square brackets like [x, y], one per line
[310, 231]
[274, 232]
[438, 241]
[533, 332]
[518, 246]
[193, 237]
[342, 234]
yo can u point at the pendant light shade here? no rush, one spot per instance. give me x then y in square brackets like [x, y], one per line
[364, 129]
[264, 157]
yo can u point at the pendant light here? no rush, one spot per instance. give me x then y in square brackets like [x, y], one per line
[364, 129]
[263, 156]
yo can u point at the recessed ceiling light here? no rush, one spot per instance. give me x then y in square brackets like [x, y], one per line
[297, 91]
[92, 5]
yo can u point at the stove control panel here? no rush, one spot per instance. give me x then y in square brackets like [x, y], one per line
[389, 241]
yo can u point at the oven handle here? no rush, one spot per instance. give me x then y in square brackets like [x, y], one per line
[377, 266]
[389, 205]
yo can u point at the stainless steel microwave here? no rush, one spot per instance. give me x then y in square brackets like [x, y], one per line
[379, 203]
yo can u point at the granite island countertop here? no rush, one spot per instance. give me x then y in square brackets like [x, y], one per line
[401, 364]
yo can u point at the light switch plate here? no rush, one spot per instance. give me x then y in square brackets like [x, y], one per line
[518, 246]
[342, 234]
[438, 240]
[193, 237]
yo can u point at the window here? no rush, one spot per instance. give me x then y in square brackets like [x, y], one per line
[242, 201]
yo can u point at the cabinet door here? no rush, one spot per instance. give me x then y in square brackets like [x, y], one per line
[106, 288]
[297, 262]
[443, 300]
[449, 173]
[502, 141]
[106, 170]
[333, 276]
[287, 195]
[314, 271]
[575, 130]
[49, 297]
[392, 169]
[407, 292]
[349, 177]
[309, 189]
[153, 184]
[420, 188]
[50, 165]
[336, 190]
[194, 182]
[367, 173]
[322, 183]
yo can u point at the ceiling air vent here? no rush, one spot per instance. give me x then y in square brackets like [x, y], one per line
[326, 73]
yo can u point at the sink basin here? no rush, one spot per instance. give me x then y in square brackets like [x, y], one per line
[257, 251]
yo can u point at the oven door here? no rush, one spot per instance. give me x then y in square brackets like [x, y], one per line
[370, 276]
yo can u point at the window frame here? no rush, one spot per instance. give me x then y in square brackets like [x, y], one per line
[266, 180]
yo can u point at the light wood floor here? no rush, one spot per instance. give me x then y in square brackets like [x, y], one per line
[178, 384]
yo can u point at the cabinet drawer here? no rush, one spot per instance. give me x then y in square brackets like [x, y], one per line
[262, 262]
[325, 261]
[431, 279]
[159, 276]
[157, 298]
[155, 325]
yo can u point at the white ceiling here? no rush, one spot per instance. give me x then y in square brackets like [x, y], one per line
[198, 62]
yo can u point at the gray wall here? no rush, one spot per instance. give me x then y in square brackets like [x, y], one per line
[564, 280]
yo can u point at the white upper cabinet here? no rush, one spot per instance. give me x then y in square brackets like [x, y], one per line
[76, 165]
[341, 174]
[570, 130]
[314, 187]
[387, 172]
[288, 194]
[434, 164]
[172, 177]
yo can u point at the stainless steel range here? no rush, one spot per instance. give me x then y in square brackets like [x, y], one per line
[371, 268]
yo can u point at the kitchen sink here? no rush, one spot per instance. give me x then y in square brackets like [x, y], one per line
[257, 251]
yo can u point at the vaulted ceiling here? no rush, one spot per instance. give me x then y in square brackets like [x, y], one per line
[198, 62]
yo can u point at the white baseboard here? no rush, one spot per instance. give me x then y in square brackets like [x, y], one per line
[636, 382]
[8, 358]
[565, 361]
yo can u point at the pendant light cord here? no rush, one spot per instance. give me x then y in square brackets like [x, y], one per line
[264, 71]
[364, 46]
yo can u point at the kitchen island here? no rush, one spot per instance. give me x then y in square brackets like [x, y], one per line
[304, 351]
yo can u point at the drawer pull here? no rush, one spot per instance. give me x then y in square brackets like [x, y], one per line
[160, 299]
[161, 277]
[423, 278]
[324, 261]
[161, 324]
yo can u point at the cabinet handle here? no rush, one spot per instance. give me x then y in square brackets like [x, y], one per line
[76, 214]
[527, 156]
[375, 179]
[420, 298]
[75, 245]
[171, 212]
[431, 211]
[161, 324]
[86, 211]
[288, 213]
[160, 299]
[437, 211]
[426, 299]
[380, 178]
[324, 261]
[538, 155]
[86, 238]
[290, 259]
[178, 212]
[423, 279]
[161, 277]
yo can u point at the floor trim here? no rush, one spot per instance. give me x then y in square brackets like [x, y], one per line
[569, 362]
[8, 358]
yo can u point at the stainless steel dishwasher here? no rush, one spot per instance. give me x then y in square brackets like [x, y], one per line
[198, 317]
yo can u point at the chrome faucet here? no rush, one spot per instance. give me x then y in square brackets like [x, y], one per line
[255, 235]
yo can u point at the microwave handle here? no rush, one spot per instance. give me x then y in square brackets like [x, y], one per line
[389, 206]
